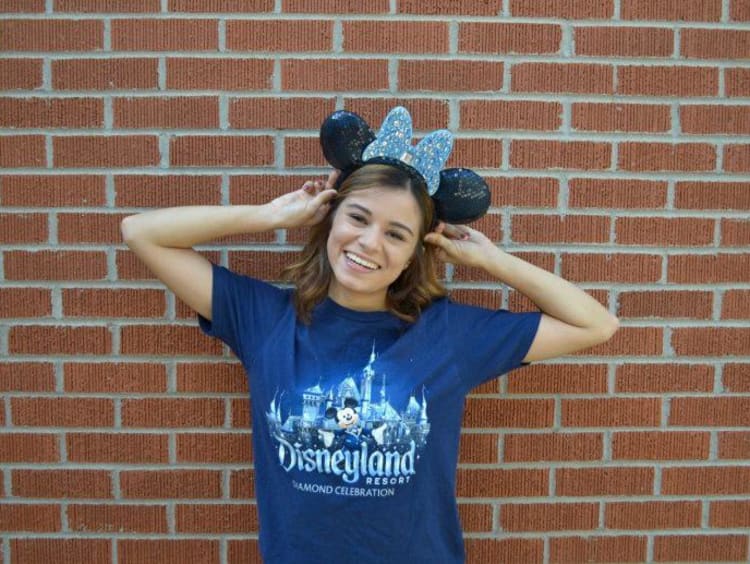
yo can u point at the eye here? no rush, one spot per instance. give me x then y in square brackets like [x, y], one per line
[356, 217]
[396, 235]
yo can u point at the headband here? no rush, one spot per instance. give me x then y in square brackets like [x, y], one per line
[459, 194]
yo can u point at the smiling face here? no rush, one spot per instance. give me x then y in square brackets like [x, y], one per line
[372, 239]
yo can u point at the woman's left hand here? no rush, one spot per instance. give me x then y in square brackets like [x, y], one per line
[460, 244]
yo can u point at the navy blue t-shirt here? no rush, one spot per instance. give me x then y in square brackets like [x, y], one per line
[356, 419]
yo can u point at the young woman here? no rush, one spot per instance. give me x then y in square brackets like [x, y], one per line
[358, 373]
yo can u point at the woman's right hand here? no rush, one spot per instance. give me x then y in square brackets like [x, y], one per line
[306, 206]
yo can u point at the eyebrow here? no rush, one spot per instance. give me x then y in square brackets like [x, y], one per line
[369, 213]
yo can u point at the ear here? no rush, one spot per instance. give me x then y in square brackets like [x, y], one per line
[343, 137]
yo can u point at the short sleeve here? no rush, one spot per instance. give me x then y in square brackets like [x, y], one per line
[491, 342]
[241, 310]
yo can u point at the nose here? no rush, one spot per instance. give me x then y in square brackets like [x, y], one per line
[370, 238]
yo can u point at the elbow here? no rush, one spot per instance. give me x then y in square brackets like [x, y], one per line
[610, 328]
[127, 229]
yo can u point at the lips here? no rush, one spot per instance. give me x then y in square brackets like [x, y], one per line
[360, 261]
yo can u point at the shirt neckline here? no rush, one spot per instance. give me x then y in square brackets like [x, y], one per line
[330, 307]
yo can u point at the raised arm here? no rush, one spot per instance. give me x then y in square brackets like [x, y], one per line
[572, 320]
[163, 238]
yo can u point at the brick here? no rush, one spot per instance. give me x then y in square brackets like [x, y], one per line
[616, 193]
[25, 302]
[476, 153]
[672, 10]
[660, 445]
[574, 155]
[130, 267]
[598, 549]
[30, 518]
[165, 413]
[35, 550]
[51, 35]
[164, 35]
[549, 516]
[623, 41]
[554, 446]
[28, 6]
[55, 265]
[27, 377]
[53, 190]
[735, 233]
[249, 6]
[334, 6]
[105, 74]
[650, 118]
[739, 10]
[170, 484]
[216, 518]
[279, 113]
[492, 482]
[490, 299]
[28, 447]
[710, 341]
[664, 232]
[478, 448]
[712, 195]
[22, 151]
[567, 9]
[446, 7]
[706, 118]
[734, 444]
[491, 115]
[223, 448]
[159, 191]
[106, 6]
[450, 76]
[700, 548]
[18, 74]
[580, 78]
[269, 36]
[89, 227]
[241, 413]
[711, 411]
[219, 74]
[615, 268]
[205, 150]
[166, 113]
[117, 518]
[653, 515]
[115, 378]
[394, 37]
[463, 273]
[62, 412]
[736, 82]
[504, 550]
[604, 481]
[611, 412]
[702, 480]
[641, 157]
[707, 269]
[122, 448]
[730, 514]
[104, 151]
[559, 379]
[20, 228]
[730, 44]
[62, 484]
[322, 75]
[132, 551]
[516, 413]
[492, 37]
[426, 113]
[667, 81]
[125, 302]
[245, 551]
[166, 340]
[475, 517]
[222, 378]
[678, 304]
[303, 152]
[51, 112]
[555, 228]
[736, 378]
[664, 378]
[265, 265]
[242, 484]
[50, 340]
[736, 158]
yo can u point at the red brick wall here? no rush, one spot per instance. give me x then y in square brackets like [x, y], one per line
[615, 135]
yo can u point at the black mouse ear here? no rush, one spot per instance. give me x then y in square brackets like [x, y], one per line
[462, 196]
[343, 137]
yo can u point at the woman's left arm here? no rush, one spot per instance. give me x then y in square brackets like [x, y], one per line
[571, 320]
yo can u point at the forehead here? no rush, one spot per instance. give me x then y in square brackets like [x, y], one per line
[388, 204]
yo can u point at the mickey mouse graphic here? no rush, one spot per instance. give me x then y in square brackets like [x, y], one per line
[352, 432]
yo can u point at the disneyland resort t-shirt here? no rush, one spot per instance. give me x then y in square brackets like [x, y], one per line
[356, 419]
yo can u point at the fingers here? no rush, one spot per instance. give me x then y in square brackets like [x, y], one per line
[453, 231]
[332, 178]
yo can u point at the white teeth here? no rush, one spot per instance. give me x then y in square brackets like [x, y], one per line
[360, 261]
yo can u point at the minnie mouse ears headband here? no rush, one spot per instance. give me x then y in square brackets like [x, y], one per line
[460, 195]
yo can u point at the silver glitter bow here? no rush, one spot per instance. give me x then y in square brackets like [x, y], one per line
[394, 141]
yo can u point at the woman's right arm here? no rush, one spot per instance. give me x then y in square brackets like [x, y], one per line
[163, 238]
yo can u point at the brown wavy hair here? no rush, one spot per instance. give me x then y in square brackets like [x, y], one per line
[411, 292]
